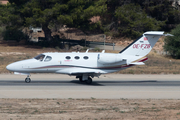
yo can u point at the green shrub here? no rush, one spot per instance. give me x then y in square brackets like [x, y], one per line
[97, 49]
[172, 43]
[16, 35]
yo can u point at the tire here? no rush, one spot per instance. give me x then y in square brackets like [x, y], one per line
[27, 80]
[89, 81]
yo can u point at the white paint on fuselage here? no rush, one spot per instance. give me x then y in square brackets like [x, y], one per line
[59, 62]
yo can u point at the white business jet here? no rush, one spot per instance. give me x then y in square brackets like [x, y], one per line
[86, 65]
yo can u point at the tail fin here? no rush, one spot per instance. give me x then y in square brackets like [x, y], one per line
[143, 45]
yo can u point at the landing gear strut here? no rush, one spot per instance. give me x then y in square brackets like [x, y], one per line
[28, 79]
[80, 79]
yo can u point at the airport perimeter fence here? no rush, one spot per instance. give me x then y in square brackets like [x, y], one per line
[81, 42]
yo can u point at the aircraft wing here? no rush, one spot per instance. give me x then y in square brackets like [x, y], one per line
[18, 73]
[77, 71]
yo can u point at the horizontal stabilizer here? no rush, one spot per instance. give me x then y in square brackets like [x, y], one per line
[168, 35]
[138, 63]
[157, 33]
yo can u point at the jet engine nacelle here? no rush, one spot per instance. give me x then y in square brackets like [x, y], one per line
[109, 58]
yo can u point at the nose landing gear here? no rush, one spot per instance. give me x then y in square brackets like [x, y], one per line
[28, 79]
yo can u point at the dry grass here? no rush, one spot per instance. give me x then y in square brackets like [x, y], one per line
[156, 64]
[89, 109]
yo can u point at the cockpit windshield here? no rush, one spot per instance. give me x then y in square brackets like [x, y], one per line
[39, 57]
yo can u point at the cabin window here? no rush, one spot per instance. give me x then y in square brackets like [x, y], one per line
[40, 57]
[68, 57]
[48, 58]
[76, 57]
[86, 57]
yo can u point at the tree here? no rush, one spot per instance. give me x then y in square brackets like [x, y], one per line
[133, 21]
[162, 10]
[46, 13]
[10, 17]
[11, 23]
[172, 43]
[153, 15]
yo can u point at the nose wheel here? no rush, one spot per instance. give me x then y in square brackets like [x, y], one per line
[28, 80]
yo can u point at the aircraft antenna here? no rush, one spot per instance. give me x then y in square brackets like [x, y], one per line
[87, 50]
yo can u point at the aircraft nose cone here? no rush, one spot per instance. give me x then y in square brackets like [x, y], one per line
[9, 67]
[12, 67]
[17, 66]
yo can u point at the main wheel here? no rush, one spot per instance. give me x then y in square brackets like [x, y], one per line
[89, 81]
[27, 80]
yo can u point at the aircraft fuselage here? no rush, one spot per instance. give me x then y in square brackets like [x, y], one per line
[65, 63]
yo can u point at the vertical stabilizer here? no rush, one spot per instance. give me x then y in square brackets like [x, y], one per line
[143, 45]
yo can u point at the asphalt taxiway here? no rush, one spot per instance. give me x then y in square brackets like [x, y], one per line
[110, 86]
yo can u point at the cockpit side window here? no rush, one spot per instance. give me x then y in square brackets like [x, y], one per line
[39, 57]
[48, 58]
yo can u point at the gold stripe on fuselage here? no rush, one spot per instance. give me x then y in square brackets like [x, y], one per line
[139, 59]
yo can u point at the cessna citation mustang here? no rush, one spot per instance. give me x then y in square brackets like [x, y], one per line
[86, 65]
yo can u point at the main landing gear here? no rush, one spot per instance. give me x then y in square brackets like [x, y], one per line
[86, 79]
[28, 79]
[89, 80]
